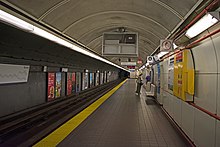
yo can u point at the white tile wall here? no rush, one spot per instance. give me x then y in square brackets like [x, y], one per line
[204, 129]
[166, 101]
[188, 118]
[177, 108]
[217, 133]
[171, 97]
[205, 57]
[160, 97]
[165, 86]
[216, 41]
[206, 91]
[218, 96]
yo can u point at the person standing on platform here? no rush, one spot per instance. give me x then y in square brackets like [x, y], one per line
[139, 84]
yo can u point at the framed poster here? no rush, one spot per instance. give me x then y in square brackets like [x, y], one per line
[50, 86]
[69, 84]
[109, 76]
[101, 78]
[85, 82]
[158, 78]
[73, 82]
[91, 80]
[78, 82]
[104, 77]
[58, 85]
[97, 79]
[171, 73]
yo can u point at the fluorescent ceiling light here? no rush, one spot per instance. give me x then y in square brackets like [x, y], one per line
[8, 18]
[204, 23]
[161, 54]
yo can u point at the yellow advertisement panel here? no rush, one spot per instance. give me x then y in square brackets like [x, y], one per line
[183, 77]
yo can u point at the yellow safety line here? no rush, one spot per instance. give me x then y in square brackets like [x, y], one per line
[63, 131]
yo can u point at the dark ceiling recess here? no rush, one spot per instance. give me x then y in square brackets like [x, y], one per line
[27, 48]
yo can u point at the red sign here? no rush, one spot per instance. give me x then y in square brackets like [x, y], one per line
[73, 82]
[69, 83]
[179, 57]
[131, 67]
[139, 62]
[50, 86]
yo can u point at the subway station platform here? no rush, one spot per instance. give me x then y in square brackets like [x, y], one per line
[122, 120]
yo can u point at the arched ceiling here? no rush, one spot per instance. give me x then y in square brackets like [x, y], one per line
[87, 20]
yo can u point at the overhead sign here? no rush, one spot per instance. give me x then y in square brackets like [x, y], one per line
[128, 63]
[166, 45]
[120, 44]
[131, 67]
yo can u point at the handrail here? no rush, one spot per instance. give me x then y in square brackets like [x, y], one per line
[198, 107]
[206, 111]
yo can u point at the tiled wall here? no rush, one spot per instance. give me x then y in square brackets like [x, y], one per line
[202, 129]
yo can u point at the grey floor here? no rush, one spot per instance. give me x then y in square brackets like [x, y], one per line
[125, 120]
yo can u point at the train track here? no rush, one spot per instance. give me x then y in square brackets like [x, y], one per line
[29, 126]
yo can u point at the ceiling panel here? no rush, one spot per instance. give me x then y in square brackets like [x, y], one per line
[86, 20]
[35, 7]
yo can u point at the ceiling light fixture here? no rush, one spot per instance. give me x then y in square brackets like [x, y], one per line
[201, 25]
[10, 19]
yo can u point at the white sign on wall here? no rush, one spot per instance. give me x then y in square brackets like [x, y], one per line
[128, 63]
[10, 73]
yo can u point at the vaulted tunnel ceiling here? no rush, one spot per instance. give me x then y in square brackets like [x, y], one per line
[86, 20]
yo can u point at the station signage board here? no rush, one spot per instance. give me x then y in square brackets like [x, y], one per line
[128, 63]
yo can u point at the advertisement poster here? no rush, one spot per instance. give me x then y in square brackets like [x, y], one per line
[158, 78]
[50, 86]
[69, 83]
[179, 57]
[78, 82]
[85, 82]
[58, 85]
[101, 78]
[73, 82]
[104, 77]
[91, 80]
[108, 76]
[171, 73]
[97, 79]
